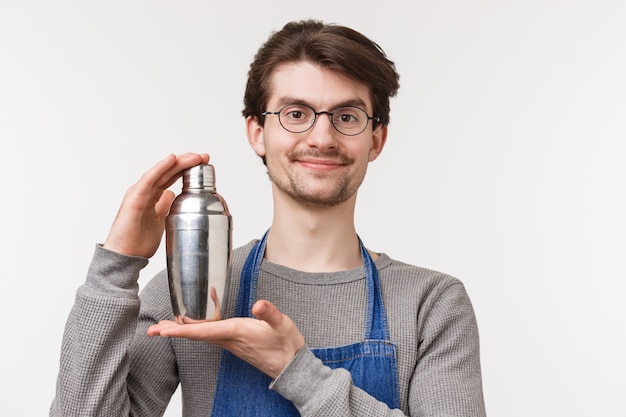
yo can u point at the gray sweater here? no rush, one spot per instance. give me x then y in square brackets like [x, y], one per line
[110, 367]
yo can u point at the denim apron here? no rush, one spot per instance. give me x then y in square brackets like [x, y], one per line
[242, 390]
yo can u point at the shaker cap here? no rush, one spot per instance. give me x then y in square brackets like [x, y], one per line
[199, 177]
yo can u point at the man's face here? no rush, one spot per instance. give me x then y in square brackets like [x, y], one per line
[320, 167]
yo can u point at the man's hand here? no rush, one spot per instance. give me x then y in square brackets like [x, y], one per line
[140, 221]
[268, 343]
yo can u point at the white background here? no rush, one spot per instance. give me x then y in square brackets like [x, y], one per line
[504, 167]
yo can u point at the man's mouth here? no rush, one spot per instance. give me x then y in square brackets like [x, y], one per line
[320, 161]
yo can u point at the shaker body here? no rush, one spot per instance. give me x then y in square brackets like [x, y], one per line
[199, 253]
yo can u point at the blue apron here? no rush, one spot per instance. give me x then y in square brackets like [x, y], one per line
[242, 390]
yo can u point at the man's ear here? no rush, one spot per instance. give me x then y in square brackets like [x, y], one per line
[254, 131]
[379, 138]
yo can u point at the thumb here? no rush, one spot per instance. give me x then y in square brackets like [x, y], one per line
[162, 206]
[266, 311]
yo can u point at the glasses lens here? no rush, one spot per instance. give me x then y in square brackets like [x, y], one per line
[296, 118]
[350, 120]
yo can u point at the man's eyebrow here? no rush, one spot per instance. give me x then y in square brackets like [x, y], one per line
[355, 102]
[283, 101]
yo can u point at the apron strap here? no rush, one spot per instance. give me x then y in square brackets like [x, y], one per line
[376, 327]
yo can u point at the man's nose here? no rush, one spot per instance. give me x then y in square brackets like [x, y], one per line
[323, 134]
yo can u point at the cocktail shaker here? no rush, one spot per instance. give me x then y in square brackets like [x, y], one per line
[198, 240]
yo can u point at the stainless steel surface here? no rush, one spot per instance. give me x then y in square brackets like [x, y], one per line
[198, 240]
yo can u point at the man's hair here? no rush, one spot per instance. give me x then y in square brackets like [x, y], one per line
[337, 48]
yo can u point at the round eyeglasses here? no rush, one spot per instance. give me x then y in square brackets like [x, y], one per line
[298, 118]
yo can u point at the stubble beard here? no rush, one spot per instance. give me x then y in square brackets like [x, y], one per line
[316, 190]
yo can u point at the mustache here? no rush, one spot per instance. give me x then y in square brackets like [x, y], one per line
[332, 154]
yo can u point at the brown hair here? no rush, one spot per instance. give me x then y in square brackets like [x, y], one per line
[334, 47]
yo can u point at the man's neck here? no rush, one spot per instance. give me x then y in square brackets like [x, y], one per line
[314, 240]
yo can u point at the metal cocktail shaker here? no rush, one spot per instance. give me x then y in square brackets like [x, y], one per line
[198, 244]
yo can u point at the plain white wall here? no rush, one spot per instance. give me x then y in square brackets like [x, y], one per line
[504, 167]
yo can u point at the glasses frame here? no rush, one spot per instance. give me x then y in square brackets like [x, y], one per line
[330, 114]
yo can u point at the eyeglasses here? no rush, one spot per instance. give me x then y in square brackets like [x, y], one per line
[298, 118]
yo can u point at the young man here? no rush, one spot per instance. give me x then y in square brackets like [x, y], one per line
[324, 327]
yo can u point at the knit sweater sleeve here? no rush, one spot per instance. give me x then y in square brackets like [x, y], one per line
[447, 380]
[104, 345]
[319, 391]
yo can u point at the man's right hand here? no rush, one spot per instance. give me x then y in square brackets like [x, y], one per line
[140, 221]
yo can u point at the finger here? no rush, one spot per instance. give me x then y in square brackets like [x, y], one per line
[152, 177]
[162, 206]
[205, 331]
[266, 311]
[157, 329]
[182, 163]
[165, 172]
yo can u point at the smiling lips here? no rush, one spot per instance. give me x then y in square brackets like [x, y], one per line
[320, 164]
[318, 161]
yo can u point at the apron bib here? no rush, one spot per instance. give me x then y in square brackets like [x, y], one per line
[243, 391]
